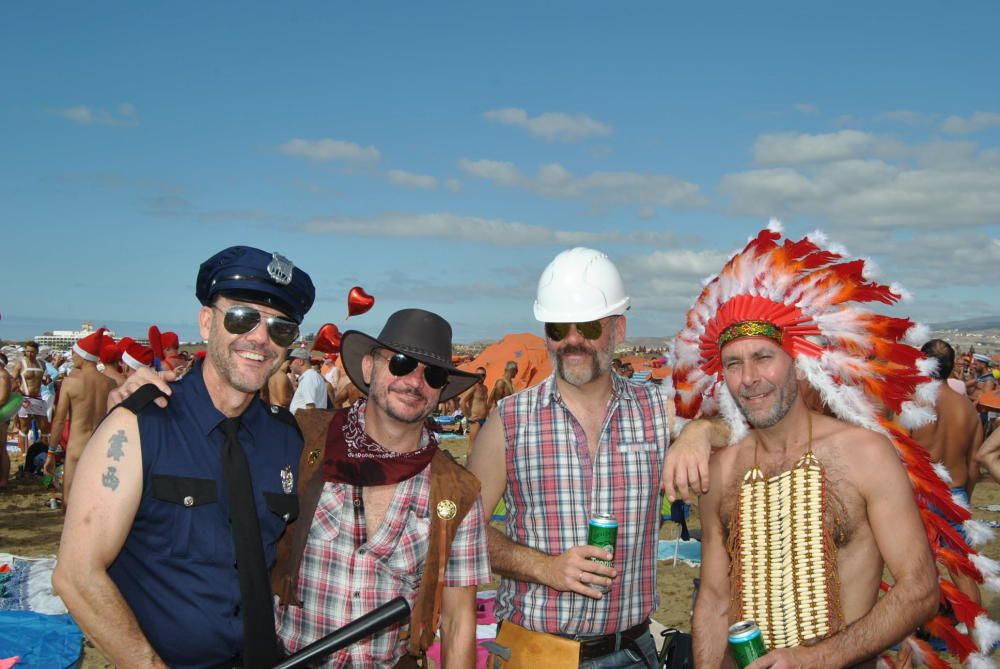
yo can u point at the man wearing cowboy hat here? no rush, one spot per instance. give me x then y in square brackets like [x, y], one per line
[383, 513]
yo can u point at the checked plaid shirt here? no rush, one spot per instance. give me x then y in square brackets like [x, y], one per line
[553, 489]
[342, 578]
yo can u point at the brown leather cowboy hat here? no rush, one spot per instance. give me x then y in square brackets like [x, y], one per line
[419, 334]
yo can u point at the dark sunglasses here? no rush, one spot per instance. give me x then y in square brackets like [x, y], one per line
[401, 364]
[240, 320]
[559, 331]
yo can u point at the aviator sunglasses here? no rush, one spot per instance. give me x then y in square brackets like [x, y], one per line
[240, 320]
[589, 330]
[401, 364]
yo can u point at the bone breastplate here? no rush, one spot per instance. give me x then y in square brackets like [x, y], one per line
[783, 559]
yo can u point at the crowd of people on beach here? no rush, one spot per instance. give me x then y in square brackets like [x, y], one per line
[255, 497]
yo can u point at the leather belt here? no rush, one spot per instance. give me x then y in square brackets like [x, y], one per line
[599, 646]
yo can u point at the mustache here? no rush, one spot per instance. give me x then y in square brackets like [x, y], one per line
[574, 349]
[746, 394]
[403, 389]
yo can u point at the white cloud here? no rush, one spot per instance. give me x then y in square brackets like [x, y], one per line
[325, 150]
[124, 116]
[978, 121]
[454, 185]
[454, 227]
[551, 126]
[411, 180]
[795, 149]
[502, 173]
[645, 192]
[806, 108]
[906, 117]
[698, 264]
[934, 259]
[860, 179]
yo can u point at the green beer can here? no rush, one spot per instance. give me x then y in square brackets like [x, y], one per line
[746, 642]
[602, 532]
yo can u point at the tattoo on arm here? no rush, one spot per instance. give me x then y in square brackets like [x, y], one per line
[115, 443]
[110, 479]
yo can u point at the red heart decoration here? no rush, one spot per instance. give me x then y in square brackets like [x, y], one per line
[358, 301]
[327, 339]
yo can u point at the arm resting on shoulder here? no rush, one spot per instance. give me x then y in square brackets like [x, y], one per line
[685, 467]
[107, 500]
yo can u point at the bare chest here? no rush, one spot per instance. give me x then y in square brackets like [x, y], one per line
[842, 507]
[376, 501]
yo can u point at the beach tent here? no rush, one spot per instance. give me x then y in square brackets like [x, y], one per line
[526, 349]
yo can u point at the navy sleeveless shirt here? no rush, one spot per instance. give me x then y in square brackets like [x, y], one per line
[177, 568]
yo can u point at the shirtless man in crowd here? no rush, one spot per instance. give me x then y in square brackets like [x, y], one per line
[953, 440]
[878, 522]
[83, 400]
[6, 388]
[504, 386]
[980, 380]
[347, 393]
[30, 373]
[111, 357]
[474, 405]
[279, 388]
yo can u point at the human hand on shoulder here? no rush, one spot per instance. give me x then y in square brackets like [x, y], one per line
[141, 378]
[685, 467]
[575, 571]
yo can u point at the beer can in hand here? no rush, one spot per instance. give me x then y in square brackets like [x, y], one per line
[602, 532]
[746, 642]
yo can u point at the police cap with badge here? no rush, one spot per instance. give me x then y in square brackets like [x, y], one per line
[251, 275]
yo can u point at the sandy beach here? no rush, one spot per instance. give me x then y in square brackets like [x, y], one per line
[28, 527]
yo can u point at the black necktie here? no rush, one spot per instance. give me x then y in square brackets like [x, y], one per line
[259, 642]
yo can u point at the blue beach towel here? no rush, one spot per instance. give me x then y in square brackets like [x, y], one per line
[42, 641]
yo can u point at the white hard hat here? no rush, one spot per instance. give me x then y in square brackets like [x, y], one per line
[580, 285]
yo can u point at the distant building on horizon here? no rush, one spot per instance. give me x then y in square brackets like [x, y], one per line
[64, 339]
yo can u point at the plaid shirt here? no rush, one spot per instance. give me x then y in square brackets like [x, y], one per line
[341, 578]
[553, 489]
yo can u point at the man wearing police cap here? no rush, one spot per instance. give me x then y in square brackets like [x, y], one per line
[176, 511]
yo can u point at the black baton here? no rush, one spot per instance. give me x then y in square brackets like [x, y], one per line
[374, 621]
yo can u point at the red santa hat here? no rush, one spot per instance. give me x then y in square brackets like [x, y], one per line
[123, 343]
[136, 355]
[155, 341]
[89, 348]
[109, 351]
[170, 340]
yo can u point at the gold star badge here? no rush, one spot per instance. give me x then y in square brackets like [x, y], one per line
[313, 456]
[446, 509]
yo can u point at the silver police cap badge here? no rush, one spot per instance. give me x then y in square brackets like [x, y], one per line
[280, 269]
[287, 480]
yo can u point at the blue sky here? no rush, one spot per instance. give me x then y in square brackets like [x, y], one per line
[440, 154]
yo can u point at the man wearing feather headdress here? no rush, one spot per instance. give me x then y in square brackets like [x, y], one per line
[805, 509]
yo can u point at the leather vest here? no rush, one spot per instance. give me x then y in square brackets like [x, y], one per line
[449, 481]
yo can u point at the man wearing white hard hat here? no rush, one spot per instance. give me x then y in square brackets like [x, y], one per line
[585, 441]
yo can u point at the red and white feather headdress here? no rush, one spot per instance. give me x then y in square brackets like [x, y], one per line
[808, 297]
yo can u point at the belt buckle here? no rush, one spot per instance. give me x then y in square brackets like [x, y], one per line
[597, 647]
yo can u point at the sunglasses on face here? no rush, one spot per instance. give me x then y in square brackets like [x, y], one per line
[401, 364]
[240, 320]
[559, 331]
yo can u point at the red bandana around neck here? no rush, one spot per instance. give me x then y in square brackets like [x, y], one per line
[355, 458]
